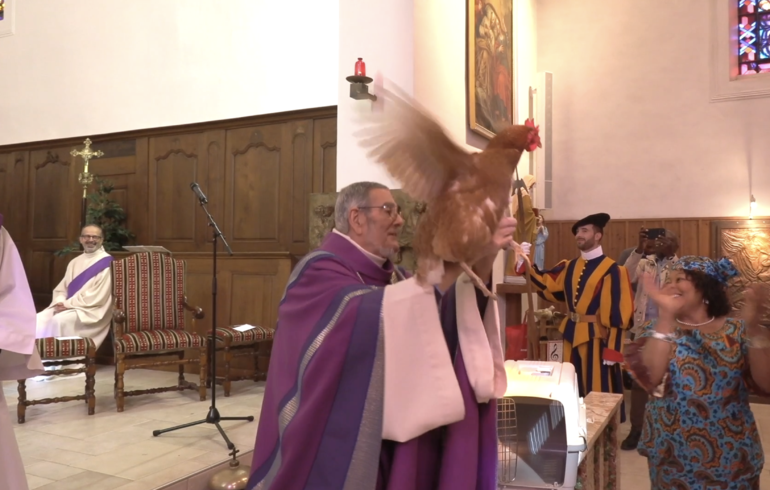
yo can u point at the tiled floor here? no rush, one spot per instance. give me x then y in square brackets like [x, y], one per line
[634, 474]
[63, 448]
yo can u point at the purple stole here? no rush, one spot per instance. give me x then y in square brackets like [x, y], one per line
[77, 284]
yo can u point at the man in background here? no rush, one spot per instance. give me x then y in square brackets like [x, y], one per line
[82, 301]
[651, 256]
[598, 294]
[19, 358]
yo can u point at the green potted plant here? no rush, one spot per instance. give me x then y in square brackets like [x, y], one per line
[106, 213]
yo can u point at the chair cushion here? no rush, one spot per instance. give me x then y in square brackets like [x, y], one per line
[236, 337]
[53, 348]
[158, 340]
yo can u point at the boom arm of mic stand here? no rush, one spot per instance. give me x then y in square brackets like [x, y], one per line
[217, 232]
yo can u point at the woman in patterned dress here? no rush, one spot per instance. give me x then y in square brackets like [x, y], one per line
[698, 361]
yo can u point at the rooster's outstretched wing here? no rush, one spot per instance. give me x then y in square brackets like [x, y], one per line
[413, 147]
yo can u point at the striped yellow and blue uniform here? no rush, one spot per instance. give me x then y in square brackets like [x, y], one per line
[597, 287]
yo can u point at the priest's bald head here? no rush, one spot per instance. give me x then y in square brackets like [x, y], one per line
[91, 237]
[368, 214]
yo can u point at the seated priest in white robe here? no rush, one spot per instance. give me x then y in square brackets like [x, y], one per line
[82, 302]
[19, 358]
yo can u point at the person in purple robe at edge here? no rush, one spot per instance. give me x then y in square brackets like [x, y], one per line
[375, 381]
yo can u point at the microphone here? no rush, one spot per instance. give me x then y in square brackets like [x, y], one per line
[198, 192]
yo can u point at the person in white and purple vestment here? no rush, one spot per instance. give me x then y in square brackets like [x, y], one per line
[375, 381]
[19, 358]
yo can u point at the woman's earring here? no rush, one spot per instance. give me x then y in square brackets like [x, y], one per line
[706, 301]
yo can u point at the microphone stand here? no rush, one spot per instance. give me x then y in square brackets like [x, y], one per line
[213, 416]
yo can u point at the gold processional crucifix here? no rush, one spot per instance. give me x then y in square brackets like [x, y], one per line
[84, 177]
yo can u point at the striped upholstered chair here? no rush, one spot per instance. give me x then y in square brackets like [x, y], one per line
[148, 324]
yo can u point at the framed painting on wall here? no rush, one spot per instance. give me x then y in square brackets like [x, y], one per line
[490, 66]
[747, 244]
[7, 15]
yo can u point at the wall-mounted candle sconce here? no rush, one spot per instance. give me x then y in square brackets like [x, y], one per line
[359, 82]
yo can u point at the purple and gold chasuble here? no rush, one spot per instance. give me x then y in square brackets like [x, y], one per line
[322, 415]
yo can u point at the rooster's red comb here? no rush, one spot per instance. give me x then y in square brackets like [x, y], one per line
[533, 141]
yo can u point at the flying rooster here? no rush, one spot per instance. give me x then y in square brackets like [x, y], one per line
[466, 194]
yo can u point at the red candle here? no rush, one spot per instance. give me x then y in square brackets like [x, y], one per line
[360, 68]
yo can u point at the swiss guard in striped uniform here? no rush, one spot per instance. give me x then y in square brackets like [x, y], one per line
[601, 304]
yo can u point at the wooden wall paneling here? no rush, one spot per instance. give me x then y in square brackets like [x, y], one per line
[176, 222]
[13, 197]
[52, 192]
[694, 237]
[325, 155]
[214, 190]
[257, 189]
[124, 163]
[299, 139]
[249, 289]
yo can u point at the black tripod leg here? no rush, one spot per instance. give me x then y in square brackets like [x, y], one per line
[250, 418]
[230, 445]
[156, 433]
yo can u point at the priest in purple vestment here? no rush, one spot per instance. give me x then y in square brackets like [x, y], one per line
[375, 381]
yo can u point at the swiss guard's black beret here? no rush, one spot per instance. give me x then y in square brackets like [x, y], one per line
[599, 220]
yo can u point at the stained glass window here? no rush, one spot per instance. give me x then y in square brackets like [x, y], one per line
[2, 9]
[753, 36]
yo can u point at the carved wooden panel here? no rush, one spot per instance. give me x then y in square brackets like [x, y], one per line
[52, 194]
[301, 135]
[176, 162]
[256, 183]
[124, 163]
[747, 244]
[13, 195]
[249, 289]
[325, 155]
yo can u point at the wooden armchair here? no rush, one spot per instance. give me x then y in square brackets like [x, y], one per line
[149, 321]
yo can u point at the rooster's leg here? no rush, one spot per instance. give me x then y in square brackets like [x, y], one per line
[477, 281]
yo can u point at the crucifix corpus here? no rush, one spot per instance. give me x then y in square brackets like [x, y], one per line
[84, 177]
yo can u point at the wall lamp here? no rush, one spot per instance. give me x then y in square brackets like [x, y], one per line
[359, 82]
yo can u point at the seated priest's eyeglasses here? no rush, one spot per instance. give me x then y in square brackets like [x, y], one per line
[391, 209]
[90, 237]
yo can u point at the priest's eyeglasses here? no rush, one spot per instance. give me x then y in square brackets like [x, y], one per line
[90, 237]
[390, 209]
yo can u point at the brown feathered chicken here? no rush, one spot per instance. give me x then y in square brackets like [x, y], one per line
[466, 194]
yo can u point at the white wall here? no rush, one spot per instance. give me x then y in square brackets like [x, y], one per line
[85, 67]
[421, 47]
[634, 132]
[382, 33]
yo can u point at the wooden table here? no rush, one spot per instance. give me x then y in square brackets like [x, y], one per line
[599, 466]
